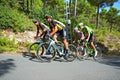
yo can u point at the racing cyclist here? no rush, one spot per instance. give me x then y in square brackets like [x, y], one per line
[57, 29]
[89, 36]
[41, 26]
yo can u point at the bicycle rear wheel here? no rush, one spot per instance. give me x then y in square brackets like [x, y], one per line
[99, 53]
[72, 53]
[42, 53]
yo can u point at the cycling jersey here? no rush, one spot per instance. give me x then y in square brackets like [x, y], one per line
[42, 26]
[86, 29]
[59, 25]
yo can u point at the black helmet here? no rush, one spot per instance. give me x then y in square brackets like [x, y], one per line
[48, 16]
[35, 20]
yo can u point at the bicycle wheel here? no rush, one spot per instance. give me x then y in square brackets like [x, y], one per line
[72, 53]
[80, 53]
[32, 50]
[42, 53]
[99, 52]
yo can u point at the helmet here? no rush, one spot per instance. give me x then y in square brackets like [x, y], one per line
[48, 16]
[75, 29]
[35, 20]
[79, 25]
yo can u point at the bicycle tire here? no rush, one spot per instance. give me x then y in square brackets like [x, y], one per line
[79, 53]
[72, 53]
[41, 53]
[31, 50]
[99, 53]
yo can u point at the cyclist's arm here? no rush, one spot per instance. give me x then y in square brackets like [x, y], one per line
[74, 37]
[44, 30]
[55, 29]
[37, 32]
[88, 35]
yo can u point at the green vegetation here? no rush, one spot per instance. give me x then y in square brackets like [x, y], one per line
[12, 19]
[17, 15]
[7, 45]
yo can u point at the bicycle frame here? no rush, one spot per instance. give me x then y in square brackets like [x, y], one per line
[52, 43]
[88, 48]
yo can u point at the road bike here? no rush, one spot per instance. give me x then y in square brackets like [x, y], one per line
[86, 48]
[48, 50]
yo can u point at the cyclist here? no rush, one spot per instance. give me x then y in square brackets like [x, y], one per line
[89, 35]
[57, 28]
[41, 26]
[78, 35]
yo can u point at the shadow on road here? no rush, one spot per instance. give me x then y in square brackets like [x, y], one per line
[112, 61]
[6, 66]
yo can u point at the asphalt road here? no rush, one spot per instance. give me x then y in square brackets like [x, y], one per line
[16, 67]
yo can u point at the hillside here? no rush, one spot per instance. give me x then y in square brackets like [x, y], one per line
[109, 41]
[110, 45]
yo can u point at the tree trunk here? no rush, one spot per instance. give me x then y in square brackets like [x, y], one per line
[75, 6]
[45, 3]
[23, 6]
[70, 7]
[31, 4]
[97, 18]
[27, 7]
[111, 27]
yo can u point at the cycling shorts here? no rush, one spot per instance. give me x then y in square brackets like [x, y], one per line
[91, 39]
[62, 33]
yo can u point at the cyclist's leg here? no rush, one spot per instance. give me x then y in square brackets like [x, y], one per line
[55, 36]
[92, 44]
[46, 34]
[64, 37]
[91, 40]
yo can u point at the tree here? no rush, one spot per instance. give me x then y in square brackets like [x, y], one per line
[118, 22]
[45, 3]
[75, 6]
[103, 13]
[112, 16]
[99, 4]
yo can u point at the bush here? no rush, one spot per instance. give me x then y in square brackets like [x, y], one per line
[13, 19]
[111, 45]
[7, 45]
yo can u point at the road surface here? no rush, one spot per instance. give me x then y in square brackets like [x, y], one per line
[16, 67]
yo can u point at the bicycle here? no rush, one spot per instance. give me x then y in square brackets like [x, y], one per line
[31, 51]
[53, 48]
[86, 48]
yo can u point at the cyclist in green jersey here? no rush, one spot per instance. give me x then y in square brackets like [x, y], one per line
[89, 35]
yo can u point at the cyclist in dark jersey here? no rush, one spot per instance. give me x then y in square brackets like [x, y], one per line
[41, 26]
[57, 28]
[78, 35]
[89, 35]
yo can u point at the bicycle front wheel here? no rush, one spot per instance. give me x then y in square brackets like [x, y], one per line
[32, 50]
[72, 53]
[42, 53]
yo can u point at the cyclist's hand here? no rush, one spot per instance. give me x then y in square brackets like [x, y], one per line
[35, 37]
[73, 41]
[87, 40]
